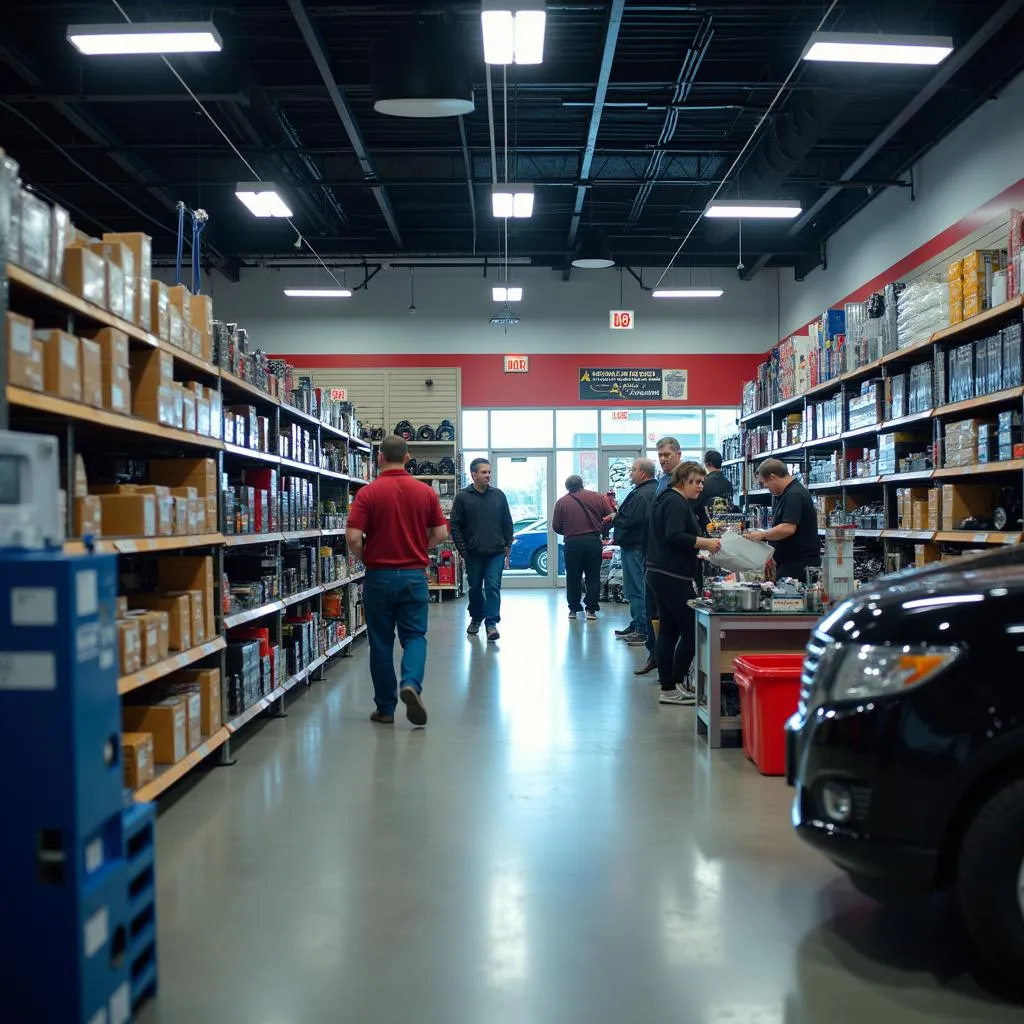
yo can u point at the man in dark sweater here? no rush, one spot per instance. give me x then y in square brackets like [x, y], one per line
[794, 530]
[630, 527]
[716, 483]
[482, 532]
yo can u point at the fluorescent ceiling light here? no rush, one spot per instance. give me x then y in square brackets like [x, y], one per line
[262, 199]
[512, 200]
[146, 37]
[318, 293]
[513, 31]
[763, 209]
[865, 48]
[686, 293]
[512, 293]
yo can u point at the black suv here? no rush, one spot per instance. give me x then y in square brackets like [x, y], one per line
[907, 749]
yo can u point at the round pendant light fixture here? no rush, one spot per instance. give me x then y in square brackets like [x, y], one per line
[593, 252]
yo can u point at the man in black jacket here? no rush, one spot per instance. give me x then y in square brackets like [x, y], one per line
[716, 483]
[630, 528]
[482, 532]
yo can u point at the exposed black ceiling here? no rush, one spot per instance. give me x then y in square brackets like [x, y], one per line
[635, 114]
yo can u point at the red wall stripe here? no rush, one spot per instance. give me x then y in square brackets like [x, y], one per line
[553, 380]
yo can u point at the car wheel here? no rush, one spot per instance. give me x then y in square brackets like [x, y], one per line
[539, 562]
[990, 879]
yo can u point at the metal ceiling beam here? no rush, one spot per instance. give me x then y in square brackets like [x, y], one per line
[611, 40]
[341, 105]
[941, 78]
[127, 97]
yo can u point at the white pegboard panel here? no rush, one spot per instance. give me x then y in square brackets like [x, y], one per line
[367, 391]
[995, 234]
[411, 398]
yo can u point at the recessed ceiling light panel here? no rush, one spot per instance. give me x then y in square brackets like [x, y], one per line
[145, 38]
[754, 209]
[881, 48]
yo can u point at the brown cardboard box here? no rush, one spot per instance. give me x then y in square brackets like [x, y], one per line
[160, 305]
[92, 376]
[149, 636]
[919, 515]
[197, 619]
[202, 320]
[188, 420]
[179, 616]
[25, 361]
[115, 288]
[129, 636]
[194, 337]
[166, 720]
[113, 346]
[181, 300]
[62, 368]
[137, 755]
[164, 507]
[117, 388]
[80, 484]
[208, 681]
[179, 525]
[85, 275]
[190, 694]
[197, 516]
[129, 515]
[198, 473]
[175, 327]
[121, 258]
[178, 394]
[195, 573]
[160, 408]
[203, 417]
[935, 508]
[151, 370]
[141, 246]
[120, 607]
[962, 500]
[925, 554]
[88, 516]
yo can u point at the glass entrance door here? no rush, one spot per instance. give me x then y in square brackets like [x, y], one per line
[526, 479]
[615, 466]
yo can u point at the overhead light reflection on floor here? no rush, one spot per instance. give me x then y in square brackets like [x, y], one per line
[508, 946]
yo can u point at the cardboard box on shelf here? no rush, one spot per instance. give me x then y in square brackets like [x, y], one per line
[120, 607]
[192, 573]
[188, 419]
[113, 345]
[141, 246]
[85, 275]
[954, 271]
[198, 473]
[149, 636]
[120, 257]
[203, 417]
[202, 320]
[959, 501]
[137, 755]
[165, 720]
[80, 483]
[179, 616]
[190, 695]
[925, 554]
[919, 515]
[935, 508]
[175, 327]
[151, 369]
[159, 316]
[88, 516]
[117, 388]
[92, 373]
[208, 681]
[36, 234]
[197, 620]
[181, 300]
[60, 236]
[164, 507]
[129, 636]
[62, 368]
[129, 515]
[115, 288]
[25, 353]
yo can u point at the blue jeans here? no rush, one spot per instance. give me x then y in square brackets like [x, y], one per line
[633, 587]
[484, 572]
[396, 598]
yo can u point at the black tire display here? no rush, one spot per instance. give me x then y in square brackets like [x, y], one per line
[990, 879]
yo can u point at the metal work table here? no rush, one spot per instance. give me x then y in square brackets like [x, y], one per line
[723, 636]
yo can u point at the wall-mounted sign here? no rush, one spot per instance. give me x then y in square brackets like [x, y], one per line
[621, 319]
[517, 364]
[620, 415]
[616, 384]
[339, 394]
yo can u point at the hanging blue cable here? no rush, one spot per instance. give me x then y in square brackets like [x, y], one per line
[181, 242]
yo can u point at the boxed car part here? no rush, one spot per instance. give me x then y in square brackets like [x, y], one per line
[194, 573]
[36, 234]
[138, 756]
[62, 368]
[141, 246]
[129, 515]
[179, 616]
[25, 353]
[92, 376]
[208, 682]
[149, 636]
[189, 695]
[85, 275]
[129, 637]
[165, 720]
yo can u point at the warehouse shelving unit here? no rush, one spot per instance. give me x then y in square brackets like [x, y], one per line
[883, 487]
[82, 427]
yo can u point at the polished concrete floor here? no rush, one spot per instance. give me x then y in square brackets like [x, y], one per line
[555, 847]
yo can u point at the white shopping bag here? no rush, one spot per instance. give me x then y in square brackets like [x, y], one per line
[739, 554]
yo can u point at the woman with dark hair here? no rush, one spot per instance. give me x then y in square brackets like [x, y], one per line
[580, 516]
[674, 538]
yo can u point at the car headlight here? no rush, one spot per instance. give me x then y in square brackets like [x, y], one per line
[875, 671]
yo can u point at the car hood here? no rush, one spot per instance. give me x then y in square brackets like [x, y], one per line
[952, 602]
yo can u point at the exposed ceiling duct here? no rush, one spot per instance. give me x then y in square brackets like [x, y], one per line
[780, 152]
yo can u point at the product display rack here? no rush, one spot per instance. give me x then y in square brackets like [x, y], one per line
[883, 487]
[82, 428]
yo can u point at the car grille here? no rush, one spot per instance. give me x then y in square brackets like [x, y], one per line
[816, 648]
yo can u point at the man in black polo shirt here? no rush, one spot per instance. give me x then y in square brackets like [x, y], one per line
[794, 531]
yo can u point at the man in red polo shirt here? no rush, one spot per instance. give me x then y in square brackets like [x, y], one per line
[391, 525]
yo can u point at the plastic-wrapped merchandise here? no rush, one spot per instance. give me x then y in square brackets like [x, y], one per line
[889, 328]
[922, 309]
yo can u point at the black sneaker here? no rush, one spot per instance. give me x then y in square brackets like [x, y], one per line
[414, 708]
[624, 632]
[650, 666]
[492, 635]
[473, 628]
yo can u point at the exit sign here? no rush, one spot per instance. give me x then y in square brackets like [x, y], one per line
[339, 394]
[517, 364]
[620, 319]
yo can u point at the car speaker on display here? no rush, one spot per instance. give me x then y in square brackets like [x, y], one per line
[446, 466]
[425, 433]
[376, 434]
[411, 467]
[445, 431]
[403, 428]
[365, 433]
[426, 468]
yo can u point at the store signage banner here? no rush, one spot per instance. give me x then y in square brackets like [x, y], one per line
[517, 364]
[339, 394]
[616, 384]
[621, 319]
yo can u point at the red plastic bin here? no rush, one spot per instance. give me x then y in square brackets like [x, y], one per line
[769, 686]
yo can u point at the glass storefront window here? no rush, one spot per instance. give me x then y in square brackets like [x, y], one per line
[575, 428]
[474, 428]
[522, 428]
[580, 463]
[622, 428]
[719, 423]
[685, 425]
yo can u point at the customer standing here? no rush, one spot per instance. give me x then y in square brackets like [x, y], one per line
[630, 525]
[391, 525]
[669, 456]
[794, 531]
[580, 516]
[482, 532]
[674, 538]
[716, 483]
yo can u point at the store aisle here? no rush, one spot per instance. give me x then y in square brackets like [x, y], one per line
[555, 847]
